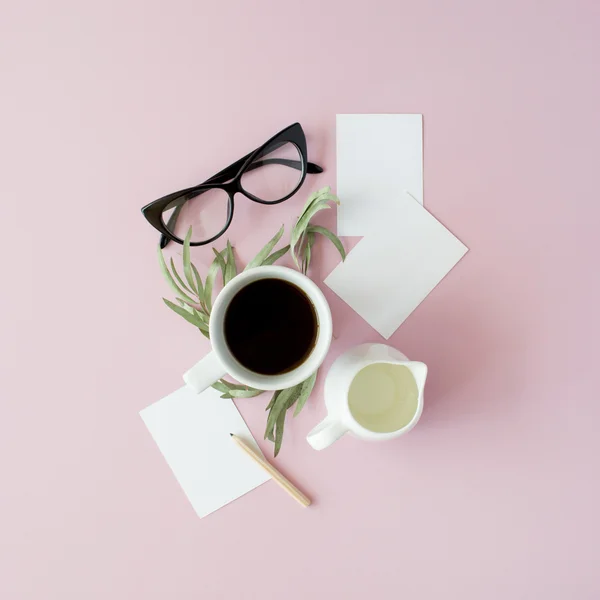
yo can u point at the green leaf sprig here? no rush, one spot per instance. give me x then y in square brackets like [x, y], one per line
[194, 300]
[303, 233]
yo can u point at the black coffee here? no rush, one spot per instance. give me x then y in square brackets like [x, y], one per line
[270, 326]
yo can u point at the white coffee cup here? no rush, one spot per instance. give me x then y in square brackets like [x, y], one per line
[220, 362]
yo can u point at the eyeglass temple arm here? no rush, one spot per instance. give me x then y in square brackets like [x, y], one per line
[229, 173]
[294, 164]
[232, 170]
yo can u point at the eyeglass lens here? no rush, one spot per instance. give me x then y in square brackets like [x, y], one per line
[205, 213]
[275, 173]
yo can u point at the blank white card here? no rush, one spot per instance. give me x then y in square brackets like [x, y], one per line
[192, 432]
[386, 276]
[378, 158]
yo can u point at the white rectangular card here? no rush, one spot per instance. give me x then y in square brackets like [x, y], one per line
[378, 158]
[192, 432]
[388, 274]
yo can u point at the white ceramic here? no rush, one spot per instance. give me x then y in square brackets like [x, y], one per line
[339, 419]
[220, 361]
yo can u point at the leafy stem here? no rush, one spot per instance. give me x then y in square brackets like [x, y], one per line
[194, 299]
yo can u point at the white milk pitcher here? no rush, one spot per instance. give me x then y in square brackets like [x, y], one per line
[372, 391]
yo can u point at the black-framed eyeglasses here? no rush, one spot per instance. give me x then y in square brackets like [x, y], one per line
[271, 174]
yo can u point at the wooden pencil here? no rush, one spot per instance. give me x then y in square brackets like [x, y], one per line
[287, 485]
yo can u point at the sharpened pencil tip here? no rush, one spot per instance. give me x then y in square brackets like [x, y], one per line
[231, 434]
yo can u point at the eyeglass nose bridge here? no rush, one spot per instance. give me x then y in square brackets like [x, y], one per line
[232, 187]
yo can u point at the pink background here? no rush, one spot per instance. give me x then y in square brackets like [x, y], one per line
[108, 105]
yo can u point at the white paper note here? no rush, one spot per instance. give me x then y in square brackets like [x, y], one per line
[378, 158]
[192, 432]
[386, 276]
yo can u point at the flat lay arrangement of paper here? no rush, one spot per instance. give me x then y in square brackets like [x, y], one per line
[378, 158]
[192, 432]
[385, 277]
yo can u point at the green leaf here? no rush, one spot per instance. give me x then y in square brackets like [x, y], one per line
[210, 281]
[202, 318]
[201, 315]
[167, 275]
[316, 204]
[275, 256]
[310, 240]
[187, 305]
[232, 390]
[281, 401]
[187, 265]
[280, 424]
[230, 270]
[304, 220]
[330, 236]
[276, 408]
[178, 277]
[182, 312]
[219, 258]
[220, 386]
[318, 196]
[266, 250]
[199, 288]
[272, 401]
[292, 395]
[307, 388]
[234, 386]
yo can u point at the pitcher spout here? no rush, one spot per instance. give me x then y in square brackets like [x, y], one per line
[419, 372]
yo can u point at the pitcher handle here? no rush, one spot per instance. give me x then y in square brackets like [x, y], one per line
[205, 372]
[325, 433]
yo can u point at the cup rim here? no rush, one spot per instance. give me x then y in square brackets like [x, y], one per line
[297, 375]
